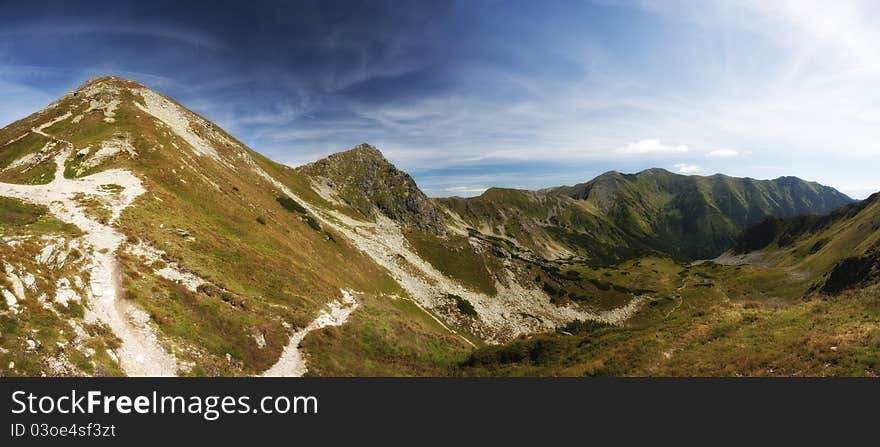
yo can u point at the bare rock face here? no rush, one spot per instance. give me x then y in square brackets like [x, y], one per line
[366, 181]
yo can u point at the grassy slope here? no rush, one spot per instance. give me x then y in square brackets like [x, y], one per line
[20, 218]
[282, 271]
[757, 320]
[456, 258]
[746, 320]
[708, 319]
[31, 144]
[544, 224]
[371, 343]
[813, 245]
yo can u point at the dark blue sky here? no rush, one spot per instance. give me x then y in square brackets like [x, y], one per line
[470, 94]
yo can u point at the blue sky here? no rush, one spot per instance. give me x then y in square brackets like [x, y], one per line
[470, 94]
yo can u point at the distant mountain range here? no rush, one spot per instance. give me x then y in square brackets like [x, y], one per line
[695, 217]
[611, 217]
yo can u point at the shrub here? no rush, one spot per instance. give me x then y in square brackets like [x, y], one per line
[584, 326]
[291, 205]
[601, 285]
[261, 220]
[464, 306]
[313, 223]
[552, 291]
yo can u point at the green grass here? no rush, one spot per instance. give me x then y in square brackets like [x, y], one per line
[456, 258]
[14, 212]
[21, 216]
[41, 174]
[112, 188]
[93, 207]
[734, 327]
[385, 337]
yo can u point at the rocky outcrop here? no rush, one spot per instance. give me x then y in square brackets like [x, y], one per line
[364, 180]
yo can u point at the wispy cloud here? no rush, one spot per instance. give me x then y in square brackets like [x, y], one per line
[651, 147]
[466, 190]
[70, 27]
[708, 82]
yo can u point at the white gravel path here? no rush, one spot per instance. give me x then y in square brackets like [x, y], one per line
[141, 353]
[292, 363]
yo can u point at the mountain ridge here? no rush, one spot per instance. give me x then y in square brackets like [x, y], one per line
[699, 216]
[212, 264]
[665, 193]
[154, 234]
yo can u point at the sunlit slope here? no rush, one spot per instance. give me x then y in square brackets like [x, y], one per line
[839, 250]
[693, 217]
[550, 225]
[222, 266]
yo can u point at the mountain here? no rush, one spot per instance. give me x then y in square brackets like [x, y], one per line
[139, 238]
[841, 250]
[616, 217]
[793, 297]
[694, 217]
[492, 288]
[546, 225]
[365, 181]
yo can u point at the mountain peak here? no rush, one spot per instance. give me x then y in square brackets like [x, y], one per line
[654, 171]
[113, 122]
[366, 181]
[107, 84]
[107, 80]
[366, 148]
[361, 153]
[608, 174]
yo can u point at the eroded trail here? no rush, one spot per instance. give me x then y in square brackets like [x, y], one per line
[292, 363]
[141, 353]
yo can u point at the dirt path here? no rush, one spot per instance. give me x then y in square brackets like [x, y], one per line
[678, 294]
[292, 363]
[140, 353]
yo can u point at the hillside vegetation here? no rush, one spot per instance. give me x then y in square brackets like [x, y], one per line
[693, 217]
[137, 237]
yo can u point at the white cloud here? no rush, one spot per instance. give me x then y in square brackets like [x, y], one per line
[723, 153]
[651, 147]
[858, 191]
[466, 190]
[684, 168]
